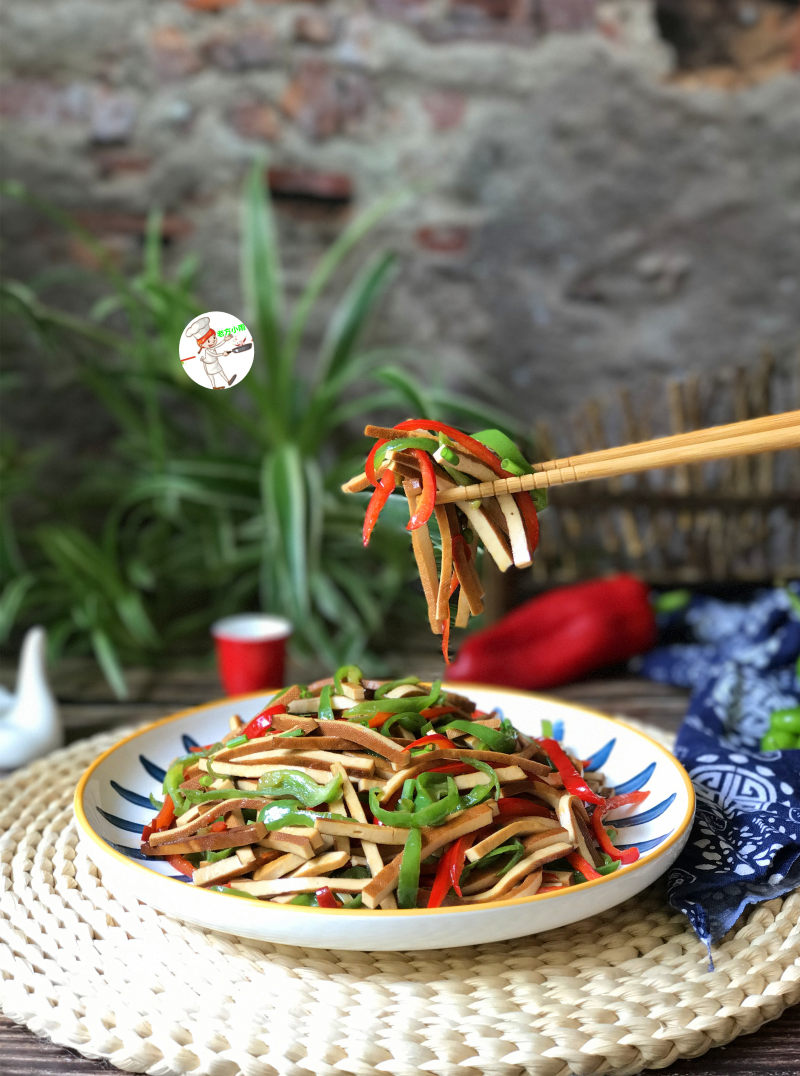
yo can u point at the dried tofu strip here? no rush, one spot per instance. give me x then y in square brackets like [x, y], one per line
[521, 552]
[204, 817]
[276, 868]
[369, 739]
[426, 560]
[502, 773]
[235, 724]
[224, 869]
[455, 754]
[364, 831]
[462, 609]
[340, 842]
[241, 769]
[288, 722]
[433, 839]
[521, 825]
[371, 851]
[324, 864]
[292, 884]
[293, 759]
[279, 743]
[357, 484]
[517, 873]
[492, 536]
[301, 840]
[312, 705]
[448, 527]
[208, 842]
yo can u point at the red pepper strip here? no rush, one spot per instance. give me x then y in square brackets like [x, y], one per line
[181, 864]
[200, 748]
[514, 805]
[550, 888]
[427, 498]
[578, 863]
[262, 722]
[166, 815]
[446, 640]
[376, 721]
[457, 861]
[162, 820]
[449, 869]
[218, 826]
[475, 448]
[438, 711]
[326, 899]
[369, 466]
[383, 490]
[452, 767]
[628, 855]
[429, 737]
[573, 782]
[619, 801]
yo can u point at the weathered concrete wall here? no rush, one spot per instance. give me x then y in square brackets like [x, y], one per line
[584, 219]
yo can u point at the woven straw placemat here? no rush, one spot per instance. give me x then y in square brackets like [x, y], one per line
[105, 974]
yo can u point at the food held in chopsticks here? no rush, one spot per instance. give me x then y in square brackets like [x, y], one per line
[426, 458]
[356, 793]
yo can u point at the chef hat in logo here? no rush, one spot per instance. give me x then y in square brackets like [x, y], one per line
[201, 328]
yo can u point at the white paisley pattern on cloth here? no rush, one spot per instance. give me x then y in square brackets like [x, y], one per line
[742, 664]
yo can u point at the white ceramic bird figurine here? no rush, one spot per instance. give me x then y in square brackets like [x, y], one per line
[29, 722]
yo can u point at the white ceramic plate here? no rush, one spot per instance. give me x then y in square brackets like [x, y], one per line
[111, 806]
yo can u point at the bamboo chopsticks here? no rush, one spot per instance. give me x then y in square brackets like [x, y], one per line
[770, 433]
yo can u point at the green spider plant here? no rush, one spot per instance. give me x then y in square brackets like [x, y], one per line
[213, 502]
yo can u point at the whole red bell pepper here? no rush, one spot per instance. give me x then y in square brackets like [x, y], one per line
[561, 636]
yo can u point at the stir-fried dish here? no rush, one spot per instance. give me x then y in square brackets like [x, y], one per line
[358, 793]
[427, 457]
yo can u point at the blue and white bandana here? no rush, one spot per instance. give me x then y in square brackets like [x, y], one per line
[741, 662]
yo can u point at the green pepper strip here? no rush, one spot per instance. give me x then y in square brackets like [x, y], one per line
[514, 848]
[415, 704]
[390, 685]
[503, 739]
[431, 788]
[547, 728]
[408, 878]
[307, 900]
[174, 777]
[223, 853]
[432, 815]
[234, 742]
[157, 804]
[349, 674]
[300, 786]
[282, 813]
[291, 732]
[233, 892]
[427, 444]
[408, 719]
[609, 866]
[198, 795]
[325, 708]
[482, 791]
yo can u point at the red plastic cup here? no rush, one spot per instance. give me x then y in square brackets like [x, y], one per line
[251, 651]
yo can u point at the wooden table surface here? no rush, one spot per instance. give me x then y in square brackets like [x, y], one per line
[87, 708]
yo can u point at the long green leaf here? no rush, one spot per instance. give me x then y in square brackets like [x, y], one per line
[261, 274]
[352, 313]
[285, 491]
[327, 266]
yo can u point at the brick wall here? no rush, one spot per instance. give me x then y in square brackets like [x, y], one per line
[587, 215]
